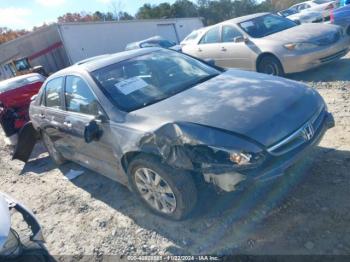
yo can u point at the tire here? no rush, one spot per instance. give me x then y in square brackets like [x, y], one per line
[56, 156]
[183, 191]
[270, 65]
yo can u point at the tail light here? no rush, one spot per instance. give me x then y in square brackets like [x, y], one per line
[330, 6]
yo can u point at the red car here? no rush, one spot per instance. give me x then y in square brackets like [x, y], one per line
[15, 97]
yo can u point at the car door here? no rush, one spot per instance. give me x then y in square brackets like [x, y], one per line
[82, 107]
[208, 46]
[51, 112]
[235, 51]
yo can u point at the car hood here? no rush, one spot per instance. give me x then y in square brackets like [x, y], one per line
[5, 221]
[258, 106]
[303, 33]
[306, 15]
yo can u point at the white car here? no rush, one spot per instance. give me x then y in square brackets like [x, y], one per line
[324, 6]
[191, 38]
[303, 17]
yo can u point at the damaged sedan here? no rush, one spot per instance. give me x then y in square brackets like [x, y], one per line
[158, 121]
[15, 97]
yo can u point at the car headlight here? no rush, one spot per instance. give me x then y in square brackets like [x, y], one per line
[238, 158]
[241, 158]
[300, 46]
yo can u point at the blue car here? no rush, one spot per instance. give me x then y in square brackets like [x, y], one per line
[341, 16]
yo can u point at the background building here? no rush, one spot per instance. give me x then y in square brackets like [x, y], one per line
[60, 45]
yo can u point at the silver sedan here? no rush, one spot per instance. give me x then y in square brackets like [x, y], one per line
[269, 44]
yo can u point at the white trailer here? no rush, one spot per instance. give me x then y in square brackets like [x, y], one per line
[84, 40]
[60, 45]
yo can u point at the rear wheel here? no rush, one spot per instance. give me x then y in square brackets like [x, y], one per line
[270, 65]
[162, 189]
[54, 154]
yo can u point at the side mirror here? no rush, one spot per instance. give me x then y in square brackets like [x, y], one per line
[240, 39]
[210, 61]
[33, 97]
[92, 132]
[102, 118]
[297, 22]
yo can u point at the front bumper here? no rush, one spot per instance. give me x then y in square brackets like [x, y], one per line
[298, 62]
[273, 167]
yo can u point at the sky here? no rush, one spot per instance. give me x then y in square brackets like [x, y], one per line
[24, 14]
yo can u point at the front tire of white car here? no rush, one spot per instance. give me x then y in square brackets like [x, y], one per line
[270, 65]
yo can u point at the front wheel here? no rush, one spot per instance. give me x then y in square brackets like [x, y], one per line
[164, 190]
[270, 65]
[54, 154]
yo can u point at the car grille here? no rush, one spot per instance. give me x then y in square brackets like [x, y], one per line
[299, 137]
[333, 57]
[329, 39]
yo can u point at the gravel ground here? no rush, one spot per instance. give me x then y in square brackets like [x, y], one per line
[305, 212]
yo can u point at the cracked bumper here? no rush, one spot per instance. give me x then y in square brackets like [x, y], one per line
[273, 167]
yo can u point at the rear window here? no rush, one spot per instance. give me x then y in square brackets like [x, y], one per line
[17, 82]
[192, 36]
[320, 2]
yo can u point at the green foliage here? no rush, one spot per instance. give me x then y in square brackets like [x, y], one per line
[212, 11]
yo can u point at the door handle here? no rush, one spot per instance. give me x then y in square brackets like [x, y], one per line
[41, 115]
[67, 124]
[223, 49]
[199, 50]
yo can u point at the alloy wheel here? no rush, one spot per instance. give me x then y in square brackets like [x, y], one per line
[155, 190]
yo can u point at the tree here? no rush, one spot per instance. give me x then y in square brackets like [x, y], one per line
[7, 34]
[184, 8]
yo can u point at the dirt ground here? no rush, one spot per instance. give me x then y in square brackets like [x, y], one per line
[305, 212]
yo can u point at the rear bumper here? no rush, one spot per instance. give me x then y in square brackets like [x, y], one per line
[293, 63]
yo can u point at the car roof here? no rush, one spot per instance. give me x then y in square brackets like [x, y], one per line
[105, 60]
[305, 2]
[91, 59]
[241, 19]
[132, 45]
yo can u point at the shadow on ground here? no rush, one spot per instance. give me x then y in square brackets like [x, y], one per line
[229, 223]
[335, 71]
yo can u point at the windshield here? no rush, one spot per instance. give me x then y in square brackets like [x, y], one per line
[288, 12]
[266, 25]
[149, 78]
[320, 2]
[160, 43]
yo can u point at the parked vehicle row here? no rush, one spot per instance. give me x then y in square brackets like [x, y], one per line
[303, 17]
[155, 41]
[269, 44]
[157, 121]
[341, 17]
[15, 97]
[313, 11]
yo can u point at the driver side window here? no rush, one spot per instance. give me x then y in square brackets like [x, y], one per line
[212, 36]
[229, 33]
[79, 97]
